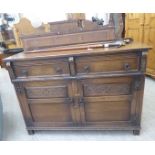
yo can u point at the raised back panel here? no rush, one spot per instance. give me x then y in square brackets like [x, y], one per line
[73, 26]
[44, 41]
[70, 32]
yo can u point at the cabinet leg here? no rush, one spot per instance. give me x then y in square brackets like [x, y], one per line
[136, 132]
[30, 132]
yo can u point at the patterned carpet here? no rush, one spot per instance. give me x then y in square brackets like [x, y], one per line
[14, 127]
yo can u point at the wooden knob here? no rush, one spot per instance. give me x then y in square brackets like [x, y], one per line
[58, 70]
[86, 69]
[127, 66]
[24, 72]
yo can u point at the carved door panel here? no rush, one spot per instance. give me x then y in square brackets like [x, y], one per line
[134, 26]
[149, 38]
[49, 103]
[107, 99]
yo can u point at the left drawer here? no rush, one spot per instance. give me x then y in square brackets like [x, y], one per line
[40, 68]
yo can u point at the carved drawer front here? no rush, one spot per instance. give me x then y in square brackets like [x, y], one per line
[107, 86]
[46, 89]
[41, 68]
[107, 99]
[49, 101]
[107, 63]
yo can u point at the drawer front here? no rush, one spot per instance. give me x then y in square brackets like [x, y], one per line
[110, 63]
[58, 67]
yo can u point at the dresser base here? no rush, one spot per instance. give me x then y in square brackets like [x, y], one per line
[136, 130]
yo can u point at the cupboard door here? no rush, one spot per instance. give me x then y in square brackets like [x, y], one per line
[134, 26]
[106, 99]
[49, 103]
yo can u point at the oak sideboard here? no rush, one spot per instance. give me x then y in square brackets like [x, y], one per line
[81, 89]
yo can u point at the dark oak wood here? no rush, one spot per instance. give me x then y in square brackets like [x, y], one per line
[30, 132]
[73, 26]
[136, 132]
[70, 32]
[99, 89]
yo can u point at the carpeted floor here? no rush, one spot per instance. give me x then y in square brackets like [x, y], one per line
[14, 127]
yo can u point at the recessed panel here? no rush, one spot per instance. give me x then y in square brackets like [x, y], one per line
[50, 112]
[107, 111]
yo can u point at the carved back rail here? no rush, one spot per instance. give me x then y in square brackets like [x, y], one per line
[67, 39]
[71, 32]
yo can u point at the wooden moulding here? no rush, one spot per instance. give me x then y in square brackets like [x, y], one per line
[70, 32]
[67, 39]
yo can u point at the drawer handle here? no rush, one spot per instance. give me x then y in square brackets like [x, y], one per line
[127, 66]
[24, 72]
[86, 69]
[71, 59]
[58, 70]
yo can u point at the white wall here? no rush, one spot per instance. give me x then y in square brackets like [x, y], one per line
[38, 18]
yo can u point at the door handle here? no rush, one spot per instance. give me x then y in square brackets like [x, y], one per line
[76, 101]
[24, 72]
[86, 69]
[81, 101]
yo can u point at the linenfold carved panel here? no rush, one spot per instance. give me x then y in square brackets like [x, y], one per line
[106, 89]
[46, 92]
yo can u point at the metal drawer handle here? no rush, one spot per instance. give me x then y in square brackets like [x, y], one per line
[71, 59]
[86, 69]
[127, 66]
[24, 72]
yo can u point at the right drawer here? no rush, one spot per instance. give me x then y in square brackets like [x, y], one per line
[107, 63]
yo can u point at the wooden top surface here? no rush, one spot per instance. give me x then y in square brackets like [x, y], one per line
[51, 53]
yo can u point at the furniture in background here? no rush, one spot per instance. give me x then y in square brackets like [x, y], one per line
[1, 119]
[141, 27]
[14, 43]
[76, 16]
[24, 27]
[1, 57]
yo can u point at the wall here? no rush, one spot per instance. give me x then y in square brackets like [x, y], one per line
[38, 18]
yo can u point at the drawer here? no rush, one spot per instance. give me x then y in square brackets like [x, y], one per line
[58, 67]
[107, 63]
